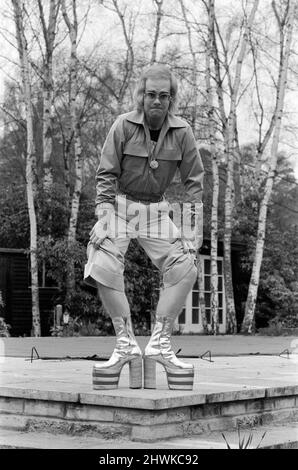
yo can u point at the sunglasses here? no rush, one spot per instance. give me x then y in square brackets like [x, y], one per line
[162, 97]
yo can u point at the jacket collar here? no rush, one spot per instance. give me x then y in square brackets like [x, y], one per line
[137, 117]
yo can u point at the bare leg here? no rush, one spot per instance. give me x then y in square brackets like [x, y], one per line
[114, 302]
[172, 299]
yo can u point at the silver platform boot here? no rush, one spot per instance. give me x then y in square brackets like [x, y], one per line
[180, 375]
[107, 374]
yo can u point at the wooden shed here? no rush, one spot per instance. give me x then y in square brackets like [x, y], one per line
[16, 294]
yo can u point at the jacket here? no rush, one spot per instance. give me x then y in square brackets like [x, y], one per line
[124, 164]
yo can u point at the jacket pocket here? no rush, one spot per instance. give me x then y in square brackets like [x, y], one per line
[169, 154]
[135, 149]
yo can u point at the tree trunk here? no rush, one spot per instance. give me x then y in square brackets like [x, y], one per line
[215, 175]
[201, 294]
[47, 133]
[49, 33]
[229, 143]
[30, 162]
[33, 234]
[75, 205]
[157, 30]
[194, 69]
[74, 130]
[248, 320]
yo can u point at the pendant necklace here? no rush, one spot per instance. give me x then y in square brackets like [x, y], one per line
[153, 163]
[151, 145]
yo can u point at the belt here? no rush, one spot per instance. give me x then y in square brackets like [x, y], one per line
[137, 198]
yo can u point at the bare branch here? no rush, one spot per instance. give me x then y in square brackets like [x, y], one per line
[14, 118]
[159, 15]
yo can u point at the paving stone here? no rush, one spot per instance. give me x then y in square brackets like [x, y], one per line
[235, 395]
[11, 405]
[140, 417]
[232, 409]
[117, 400]
[24, 392]
[276, 416]
[286, 402]
[13, 421]
[279, 391]
[143, 399]
[152, 418]
[225, 385]
[153, 433]
[44, 408]
[89, 413]
[206, 410]
[259, 405]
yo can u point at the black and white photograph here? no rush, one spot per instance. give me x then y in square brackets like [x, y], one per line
[148, 230]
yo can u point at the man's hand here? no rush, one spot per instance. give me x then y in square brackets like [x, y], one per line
[188, 246]
[97, 234]
[191, 246]
[192, 227]
[102, 228]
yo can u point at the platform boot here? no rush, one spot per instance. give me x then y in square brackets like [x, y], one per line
[180, 375]
[127, 351]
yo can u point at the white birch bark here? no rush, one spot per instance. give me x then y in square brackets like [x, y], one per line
[215, 174]
[194, 86]
[194, 67]
[228, 130]
[248, 320]
[158, 4]
[201, 294]
[74, 132]
[49, 33]
[30, 160]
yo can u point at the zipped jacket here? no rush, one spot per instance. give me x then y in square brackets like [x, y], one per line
[125, 160]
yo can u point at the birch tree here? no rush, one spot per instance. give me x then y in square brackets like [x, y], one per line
[159, 15]
[285, 22]
[48, 33]
[215, 172]
[18, 8]
[74, 134]
[229, 124]
[128, 21]
[194, 74]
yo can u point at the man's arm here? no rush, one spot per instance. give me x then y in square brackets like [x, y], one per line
[109, 168]
[191, 168]
[192, 174]
[107, 173]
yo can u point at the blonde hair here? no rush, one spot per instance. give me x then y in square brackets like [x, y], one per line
[156, 71]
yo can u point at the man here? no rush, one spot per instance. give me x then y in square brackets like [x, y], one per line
[139, 159]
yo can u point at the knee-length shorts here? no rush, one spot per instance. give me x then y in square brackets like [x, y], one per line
[152, 226]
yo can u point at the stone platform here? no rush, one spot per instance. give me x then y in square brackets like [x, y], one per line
[55, 396]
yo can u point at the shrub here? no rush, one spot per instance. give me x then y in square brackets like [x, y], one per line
[4, 328]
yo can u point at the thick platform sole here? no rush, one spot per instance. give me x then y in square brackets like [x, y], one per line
[178, 379]
[107, 378]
